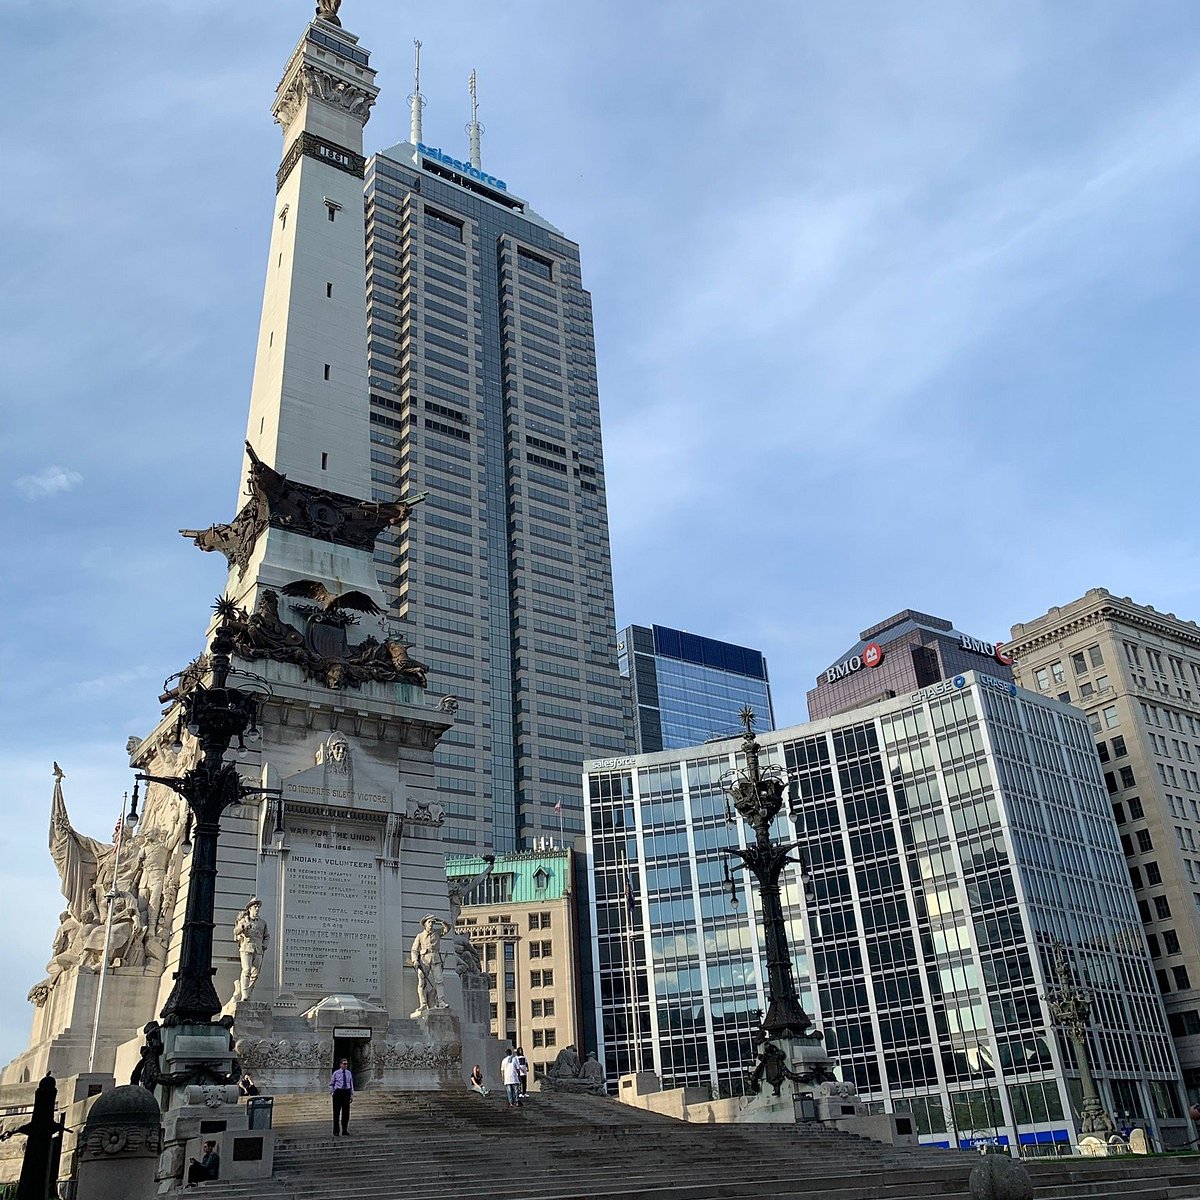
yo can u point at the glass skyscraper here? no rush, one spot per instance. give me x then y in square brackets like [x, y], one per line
[483, 395]
[951, 836]
[685, 689]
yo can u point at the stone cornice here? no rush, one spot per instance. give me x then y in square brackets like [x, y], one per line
[356, 97]
[1104, 610]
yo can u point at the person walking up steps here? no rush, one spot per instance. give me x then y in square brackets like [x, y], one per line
[341, 1088]
[522, 1071]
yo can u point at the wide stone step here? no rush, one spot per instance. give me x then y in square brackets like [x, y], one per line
[458, 1146]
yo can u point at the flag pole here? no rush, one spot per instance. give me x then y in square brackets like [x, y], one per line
[631, 982]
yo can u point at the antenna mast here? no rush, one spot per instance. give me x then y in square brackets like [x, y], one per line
[416, 101]
[474, 129]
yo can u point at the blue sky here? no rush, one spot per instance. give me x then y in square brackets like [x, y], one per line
[895, 306]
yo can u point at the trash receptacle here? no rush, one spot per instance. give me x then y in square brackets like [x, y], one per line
[804, 1106]
[260, 1109]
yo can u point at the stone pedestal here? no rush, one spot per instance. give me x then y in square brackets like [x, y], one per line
[60, 1042]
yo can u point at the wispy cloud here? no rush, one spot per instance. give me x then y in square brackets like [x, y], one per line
[49, 481]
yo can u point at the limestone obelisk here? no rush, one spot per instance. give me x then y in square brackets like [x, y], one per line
[331, 887]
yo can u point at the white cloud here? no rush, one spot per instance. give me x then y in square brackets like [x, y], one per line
[48, 482]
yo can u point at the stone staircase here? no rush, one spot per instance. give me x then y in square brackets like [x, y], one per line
[459, 1146]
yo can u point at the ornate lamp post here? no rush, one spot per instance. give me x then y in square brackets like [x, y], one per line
[1071, 1007]
[214, 714]
[757, 794]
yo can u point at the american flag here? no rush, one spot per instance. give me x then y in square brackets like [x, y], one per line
[558, 805]
[628, 892]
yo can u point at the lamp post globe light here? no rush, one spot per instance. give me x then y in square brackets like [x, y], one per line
[215, 714]
[791, 1048]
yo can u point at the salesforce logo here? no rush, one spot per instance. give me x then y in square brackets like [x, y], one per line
[465, 167]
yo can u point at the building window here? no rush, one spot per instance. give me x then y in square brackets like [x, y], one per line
[510, 981]
[1163, 985]
[1181, 978]
[326, 370]
[1042, 679]
[1101, 683]
[547, 979]
[545, 920]
[1079, 663]
[1135, 877]
[510, 1010]
[535, 1008]
[1094, 722]
[1118, 747]
[1065, 697]
[1161, 908]
[1171, 941]
[1110, 716]
[1152, 942]
[1127, 779]
[510, 951]
[1056, 670]
[549, 1008]
[552, 1035]
[1145, 845]
[329, 291]
[1086, 689]
[1110, 782]
[1153, 874]
[1135, 808]
[447, 226]
[1096, 657]
[1144, 911]
[533, 263]
[535, 949]
[534, 920]
[547, 950]
[493, 1010]
[1102, 751]
[535, 979]
[538, 1038]
[1132, 654]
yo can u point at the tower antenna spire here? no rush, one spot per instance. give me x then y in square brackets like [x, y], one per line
[416, 101]
[475, 130]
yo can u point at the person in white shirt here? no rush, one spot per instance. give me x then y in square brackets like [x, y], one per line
[512, 1079]
[341, 1088]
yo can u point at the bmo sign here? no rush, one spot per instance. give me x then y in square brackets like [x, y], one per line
[871, 656]
[987, 649]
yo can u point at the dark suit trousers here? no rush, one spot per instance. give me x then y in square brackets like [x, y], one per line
[341, 1104]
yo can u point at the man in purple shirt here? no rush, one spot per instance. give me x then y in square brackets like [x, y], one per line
[341, 1087]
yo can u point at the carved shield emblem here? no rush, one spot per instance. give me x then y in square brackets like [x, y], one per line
[327, 639]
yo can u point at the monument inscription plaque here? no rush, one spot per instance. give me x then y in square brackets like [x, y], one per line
[331, 908]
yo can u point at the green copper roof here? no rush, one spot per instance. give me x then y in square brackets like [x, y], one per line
[537, 875]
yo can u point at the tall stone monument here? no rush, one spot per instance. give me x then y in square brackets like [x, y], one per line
[327, 879]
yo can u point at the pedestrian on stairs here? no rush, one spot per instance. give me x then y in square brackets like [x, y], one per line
[477, 1080]
[341, 1088]
[511, 1078]
[522, 1070]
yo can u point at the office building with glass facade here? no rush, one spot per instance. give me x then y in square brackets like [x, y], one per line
[483, 396]
[951, 836]
[1135, 672]
[685, 689]
[902, 654]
